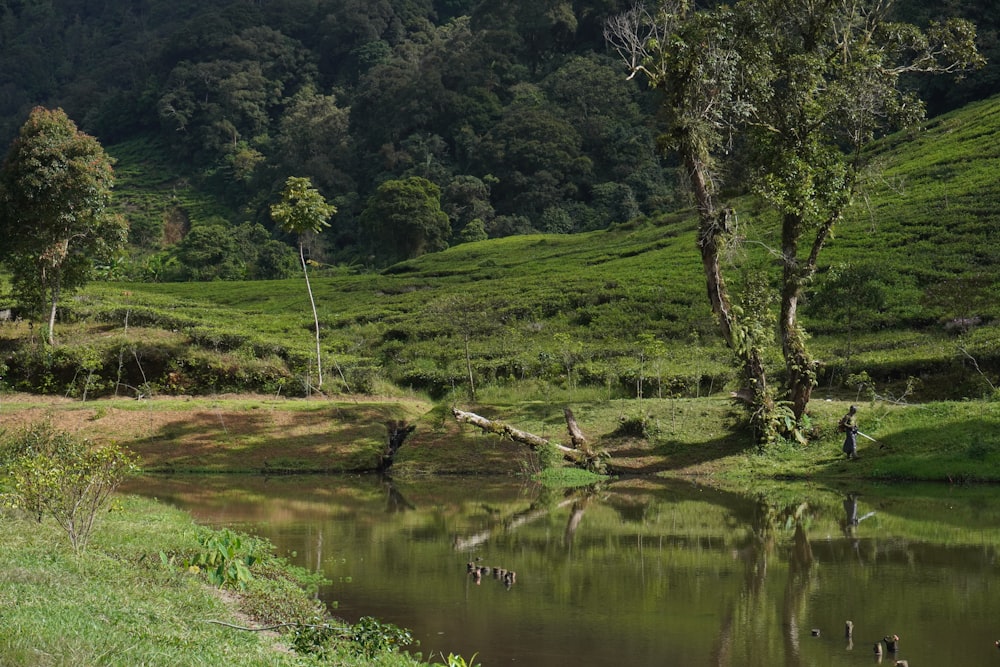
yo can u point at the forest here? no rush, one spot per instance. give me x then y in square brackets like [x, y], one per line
[500, 119]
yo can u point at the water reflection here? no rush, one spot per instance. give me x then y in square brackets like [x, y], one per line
[638, 572]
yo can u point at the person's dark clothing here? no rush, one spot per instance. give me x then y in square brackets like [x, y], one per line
[849, 425]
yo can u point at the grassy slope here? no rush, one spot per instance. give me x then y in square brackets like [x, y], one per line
[119, 604]
[569, 309]
[116, 605]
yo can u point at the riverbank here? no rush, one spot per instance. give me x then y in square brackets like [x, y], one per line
[943, 441]
[120, 603]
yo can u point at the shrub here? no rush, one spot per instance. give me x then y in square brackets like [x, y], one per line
[59, 475]
[372, 637]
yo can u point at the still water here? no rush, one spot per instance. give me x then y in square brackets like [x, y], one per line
[636, 572]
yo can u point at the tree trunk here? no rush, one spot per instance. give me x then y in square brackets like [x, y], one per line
[575, 434]
[52, 315]
[312, 302]
[799, 364]
[713, 225]
[398, 431]
[468, 367]
[575, 456]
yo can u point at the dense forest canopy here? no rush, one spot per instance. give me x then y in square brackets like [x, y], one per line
[515, 113]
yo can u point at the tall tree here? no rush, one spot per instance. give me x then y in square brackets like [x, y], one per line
[303, 210]
[807, 86]
[56, 186]
[829, 85]
[692, 59]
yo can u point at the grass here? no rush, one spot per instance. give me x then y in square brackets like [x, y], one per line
[115, 604]
[551, 321]
[616, 310]
[118, 603]
[594, 319]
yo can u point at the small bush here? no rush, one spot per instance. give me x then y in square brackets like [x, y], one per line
[636, 426]
[227, 557]
[58, 475]
[373, 636]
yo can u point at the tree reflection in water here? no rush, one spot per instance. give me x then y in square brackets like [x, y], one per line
[637, 570]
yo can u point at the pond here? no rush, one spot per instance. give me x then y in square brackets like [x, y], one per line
[636, 572]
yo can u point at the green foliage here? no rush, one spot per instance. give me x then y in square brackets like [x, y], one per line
[368, 639]
[316, 637]
[216, 250]
[634, 426]
[58, 475]
[405, 219]
[808, 87]
[454, 660]
[226, 557]
[372, 637]
[55, 187]
[240, 95]
[302, 208]
[863, 384]
[932, 208]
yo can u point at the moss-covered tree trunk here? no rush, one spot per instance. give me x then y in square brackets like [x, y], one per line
[713, 226]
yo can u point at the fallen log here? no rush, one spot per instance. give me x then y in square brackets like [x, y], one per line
[580, 457]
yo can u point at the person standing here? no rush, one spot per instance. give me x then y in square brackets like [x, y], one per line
[848, 425]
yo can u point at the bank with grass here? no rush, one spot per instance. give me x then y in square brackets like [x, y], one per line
[944, 441]
[135, 597]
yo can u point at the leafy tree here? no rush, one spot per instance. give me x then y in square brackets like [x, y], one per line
[215, 250]
[432, 85]
[827, 85]
[807, 86]
[301, 211]
[692, 59]
[314, 140]
[529, 29]
[536, 154]
[56, 186]
[467, 198]
[210, 252]
[405, 219]
[275, 260]
[351, 28]
[605, 109]
[474, 231]
[221, 102]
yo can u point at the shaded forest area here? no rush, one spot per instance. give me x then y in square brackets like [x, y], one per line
[497, 118]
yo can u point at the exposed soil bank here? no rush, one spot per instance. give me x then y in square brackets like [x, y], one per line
[950, 441]
[254, 434]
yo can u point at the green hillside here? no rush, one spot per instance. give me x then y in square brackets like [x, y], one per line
[598, 312]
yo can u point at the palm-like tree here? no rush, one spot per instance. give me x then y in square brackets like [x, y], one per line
[302, 210]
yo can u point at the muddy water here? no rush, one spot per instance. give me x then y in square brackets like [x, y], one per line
[640, 572]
